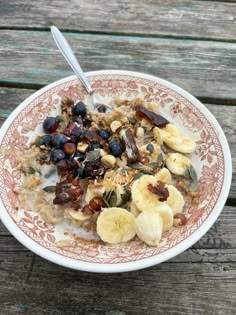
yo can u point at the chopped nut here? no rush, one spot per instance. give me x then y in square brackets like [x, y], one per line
[152, 106]
[115, 125]
[82, 147]
[179, 219]
[103, 152]
[108, 160]
[96, 204]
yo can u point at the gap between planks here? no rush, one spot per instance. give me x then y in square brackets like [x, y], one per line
[126, 34]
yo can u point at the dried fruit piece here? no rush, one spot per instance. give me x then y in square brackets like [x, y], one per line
[159, 190]
[154, 118]
[128, 141]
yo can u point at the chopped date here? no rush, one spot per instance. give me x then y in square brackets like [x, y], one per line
[159, 190]
[154, 118]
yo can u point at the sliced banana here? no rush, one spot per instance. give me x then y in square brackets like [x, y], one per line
[157, 133]
[186, 146]
[175, 200]
[116, 225]
[149, 227]
[166, 214]
[134, 210]
[177, 163]
[141, 196]
[172, 129]
[164, 175]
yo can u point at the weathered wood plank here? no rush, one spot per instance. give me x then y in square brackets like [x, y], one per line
[204, 68]
[30, 284]
[226, 115]
[182, 18]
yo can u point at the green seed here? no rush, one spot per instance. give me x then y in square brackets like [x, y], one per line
[31, 170]
[60, 118]
[137, 166]
[126, 196]
[132, 120]
[138, 175]
[192, 185]
[50, 189]
[153, 165]
[164, 149]
[160, 158]
[192, 172]
[38, 142]
[150, 148]
[43, 156]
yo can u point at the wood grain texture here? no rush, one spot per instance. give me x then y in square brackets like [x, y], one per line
[226, 116]
[31, 285]
[179, 18]
[205, 69]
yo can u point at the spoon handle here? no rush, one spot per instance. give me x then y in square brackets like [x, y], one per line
[68, 54]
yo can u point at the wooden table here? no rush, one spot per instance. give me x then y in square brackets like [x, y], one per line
[192, 44]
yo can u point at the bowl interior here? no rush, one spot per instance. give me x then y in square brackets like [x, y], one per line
[211, 160]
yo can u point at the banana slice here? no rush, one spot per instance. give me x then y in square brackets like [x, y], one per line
[149, 227]
[172, 129]
[134, 210]
[186, 146]
[172, 137]
[177, 163]
[141, 196]
[166, 214]
[164, 176]
[175, 200]
[116, 225]
[157, 133]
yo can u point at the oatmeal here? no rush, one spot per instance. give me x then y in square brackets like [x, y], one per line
[121, 174]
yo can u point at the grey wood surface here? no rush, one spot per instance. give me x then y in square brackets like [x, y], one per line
[204, 68]
[190, 43]
[175, 18]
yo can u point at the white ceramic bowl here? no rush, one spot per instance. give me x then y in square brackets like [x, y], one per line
[212, 161]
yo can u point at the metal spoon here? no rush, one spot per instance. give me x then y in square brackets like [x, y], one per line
[68, 54]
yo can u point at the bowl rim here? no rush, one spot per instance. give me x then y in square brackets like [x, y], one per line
[143, 263]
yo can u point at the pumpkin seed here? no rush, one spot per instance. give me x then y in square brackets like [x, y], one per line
[132, 120]
[150, 147]
[43, 156]
[164, 149]
[137, 166]
[113, 199]
[192, 172]
[160, 158]
[50, 189]
[153, 165]
[31, 170]
[60, 118]
[92, 156]
[192, 185]
[126, 196]
[138, 175]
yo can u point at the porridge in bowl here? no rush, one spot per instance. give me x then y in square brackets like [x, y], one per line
[121, 175]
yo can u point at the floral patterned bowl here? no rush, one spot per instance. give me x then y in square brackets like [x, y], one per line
[212, 161]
